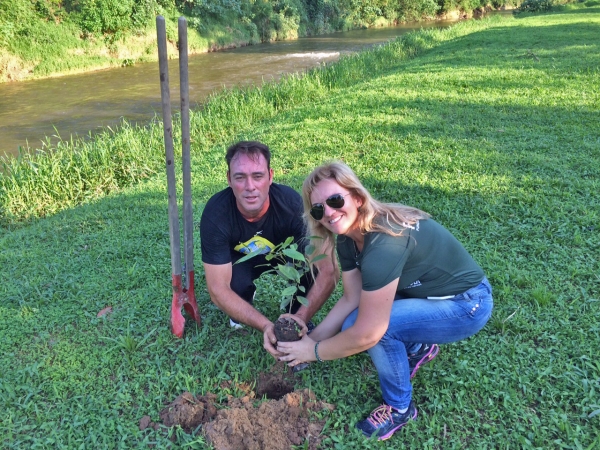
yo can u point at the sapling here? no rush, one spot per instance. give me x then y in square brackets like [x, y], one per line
[291, 265]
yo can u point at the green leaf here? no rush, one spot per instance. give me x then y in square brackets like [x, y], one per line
[309, 250]
[289, 272]
[290, 290]
[302, 300]
[294, 254]
[284, 302]
[301, 288]
[318, 258]
[287, 242]
[249, 256]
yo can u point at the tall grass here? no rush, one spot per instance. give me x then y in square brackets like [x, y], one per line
[35, 185]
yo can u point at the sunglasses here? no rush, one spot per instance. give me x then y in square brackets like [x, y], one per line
[336, 201]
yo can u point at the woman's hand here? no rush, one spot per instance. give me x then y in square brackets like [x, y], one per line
[297, 352]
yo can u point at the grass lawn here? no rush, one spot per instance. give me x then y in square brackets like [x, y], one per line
[492, 126]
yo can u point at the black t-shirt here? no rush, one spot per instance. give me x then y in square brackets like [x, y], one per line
[428, 259]
[226, 236]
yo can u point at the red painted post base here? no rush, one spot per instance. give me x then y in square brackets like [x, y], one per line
[183, 298]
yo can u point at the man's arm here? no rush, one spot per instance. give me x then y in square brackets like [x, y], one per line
[218, 282]
[325, 282]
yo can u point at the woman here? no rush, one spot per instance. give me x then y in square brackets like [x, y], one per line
[408, 284]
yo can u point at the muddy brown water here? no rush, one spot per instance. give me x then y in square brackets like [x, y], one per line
[33, 113]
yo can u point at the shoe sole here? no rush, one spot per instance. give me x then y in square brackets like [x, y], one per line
[391, 432]
[433, 352]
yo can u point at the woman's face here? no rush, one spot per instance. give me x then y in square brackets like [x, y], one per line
[338, 221]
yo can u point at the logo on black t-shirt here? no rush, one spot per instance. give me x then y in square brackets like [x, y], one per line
[254, 244]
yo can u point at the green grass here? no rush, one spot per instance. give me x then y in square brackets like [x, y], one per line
[492, 127]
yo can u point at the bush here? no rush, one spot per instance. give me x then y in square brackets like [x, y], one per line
[417, 9]
[535, 6]
[216, 9]
[106, 16]
[111, 16]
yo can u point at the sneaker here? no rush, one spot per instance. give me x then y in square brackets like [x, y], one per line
[300, 367]
[235, 325]
[384, 421]
[425, 354]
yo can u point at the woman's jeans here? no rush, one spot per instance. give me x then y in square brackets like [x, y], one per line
[416, 320]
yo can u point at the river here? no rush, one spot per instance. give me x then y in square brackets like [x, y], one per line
[33, 113]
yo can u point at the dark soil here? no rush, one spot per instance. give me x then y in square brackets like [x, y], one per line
[276, 383]
[246, 423]
[286, 330]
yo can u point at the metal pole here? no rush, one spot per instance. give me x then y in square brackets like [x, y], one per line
[183, 297]
[165, 95]
[188, 222]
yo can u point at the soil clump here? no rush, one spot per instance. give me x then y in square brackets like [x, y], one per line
[286, 330]
[289, 418]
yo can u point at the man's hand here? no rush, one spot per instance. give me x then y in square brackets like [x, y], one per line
[270, 341]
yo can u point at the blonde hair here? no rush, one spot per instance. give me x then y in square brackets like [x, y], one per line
[396, 216]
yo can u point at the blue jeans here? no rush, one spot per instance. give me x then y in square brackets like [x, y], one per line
[418, 320]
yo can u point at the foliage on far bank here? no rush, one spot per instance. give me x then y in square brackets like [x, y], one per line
[544, 6]
[44, 37]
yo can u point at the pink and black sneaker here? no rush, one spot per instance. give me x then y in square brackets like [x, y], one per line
[384, 421]
[425, 354]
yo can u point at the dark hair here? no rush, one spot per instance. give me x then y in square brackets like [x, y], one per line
[251, 148]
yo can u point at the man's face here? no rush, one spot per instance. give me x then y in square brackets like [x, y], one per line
[250, 179]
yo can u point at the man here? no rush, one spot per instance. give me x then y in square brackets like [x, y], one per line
[254, 212]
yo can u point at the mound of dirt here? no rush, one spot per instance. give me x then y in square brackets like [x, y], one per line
[186, 411]
[274, 425]
[286, 420]
[189, 411]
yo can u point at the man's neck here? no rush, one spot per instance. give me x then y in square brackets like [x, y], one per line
[256, 217]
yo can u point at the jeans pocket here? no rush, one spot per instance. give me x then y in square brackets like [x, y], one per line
[473, 300]
[468, 304]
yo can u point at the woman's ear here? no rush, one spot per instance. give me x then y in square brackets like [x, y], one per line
[358, 201]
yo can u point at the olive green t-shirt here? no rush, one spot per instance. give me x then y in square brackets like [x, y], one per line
[427, 258]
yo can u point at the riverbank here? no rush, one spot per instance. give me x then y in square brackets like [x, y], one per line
[35, 47]
[489, 125]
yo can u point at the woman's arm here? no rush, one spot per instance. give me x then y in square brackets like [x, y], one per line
[374, 309]
[324, 284]
[348, 302]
